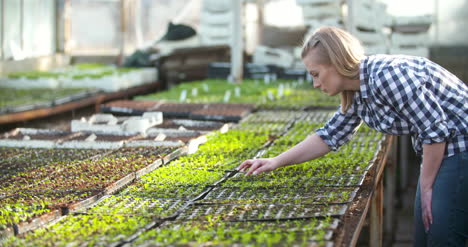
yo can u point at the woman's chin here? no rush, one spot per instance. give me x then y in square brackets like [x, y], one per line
[331, 93]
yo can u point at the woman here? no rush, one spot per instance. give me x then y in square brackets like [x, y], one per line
[396, 95]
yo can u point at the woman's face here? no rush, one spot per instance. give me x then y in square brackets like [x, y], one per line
[326, 77]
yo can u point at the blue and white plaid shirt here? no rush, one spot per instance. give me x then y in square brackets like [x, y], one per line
[402, 95]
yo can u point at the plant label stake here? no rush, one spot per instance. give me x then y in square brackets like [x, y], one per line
[160, 137]
[194, 92]
[270, 95]
[266, 79]
[205, 88]
[280, 90]
[227, 96]
[183, 95]
[237, 92]
[91, 138]
[301, 81]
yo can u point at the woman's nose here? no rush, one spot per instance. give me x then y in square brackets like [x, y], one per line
[316, 84]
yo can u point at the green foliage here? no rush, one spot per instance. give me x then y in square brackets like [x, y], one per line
[265, 95]
[215, 232]
[10, 97]
[82, 230]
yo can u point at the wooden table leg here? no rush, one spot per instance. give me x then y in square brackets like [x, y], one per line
[376, 216]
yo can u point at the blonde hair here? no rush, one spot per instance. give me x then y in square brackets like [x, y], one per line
[342, 50]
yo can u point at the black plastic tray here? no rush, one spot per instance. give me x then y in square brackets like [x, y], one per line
[261, 212]
[312, 195]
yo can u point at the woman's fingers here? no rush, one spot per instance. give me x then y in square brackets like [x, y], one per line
[253, 168]
[246, 164]
[256, 166]
[426, 206]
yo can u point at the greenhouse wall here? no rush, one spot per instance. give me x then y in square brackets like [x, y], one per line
[28, 28]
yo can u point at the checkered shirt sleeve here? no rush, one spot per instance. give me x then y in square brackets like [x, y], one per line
[340, 128]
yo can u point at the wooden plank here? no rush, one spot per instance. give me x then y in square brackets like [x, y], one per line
[389, 192]
[376, 217]
[353, 221]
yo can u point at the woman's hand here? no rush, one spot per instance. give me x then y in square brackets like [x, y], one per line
[258, 166]
[426, 207]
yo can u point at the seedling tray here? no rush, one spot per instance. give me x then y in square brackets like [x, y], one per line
[28, 107]
[313, 195]
[136, 206]
[222, 112]
[130, 107]
[174, 155]
[37, 222]
[47, 137]
[75, 97]
[92, 230]
[310, 232]
[19, 160]
[179, 110]
[240, 180]
[261, 212]
[273, 116]
[163, 192]
[6, 153]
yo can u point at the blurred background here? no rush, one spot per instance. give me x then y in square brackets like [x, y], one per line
[82, 29]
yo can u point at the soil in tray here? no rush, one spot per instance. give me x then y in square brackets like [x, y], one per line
[6, 153]
[133, 104]
[170, 124]
[240, 212]
[154, 152]
[30, 159]
[178, 108]
[231, 106]
[48, 198]
[218, 233]
[26, 205]
[78, 175]
[51, 137]
[104, 138]
[224, 110]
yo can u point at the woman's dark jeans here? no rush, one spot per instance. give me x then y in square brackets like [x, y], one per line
[449, 206]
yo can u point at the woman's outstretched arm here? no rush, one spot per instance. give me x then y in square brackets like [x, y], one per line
[310, 148]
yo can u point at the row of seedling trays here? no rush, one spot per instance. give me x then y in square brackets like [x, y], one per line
[33, 194]
[185, 204]
[212, 111]
[174, 132]
[273, 95]
[107, 78]
[45, 103]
